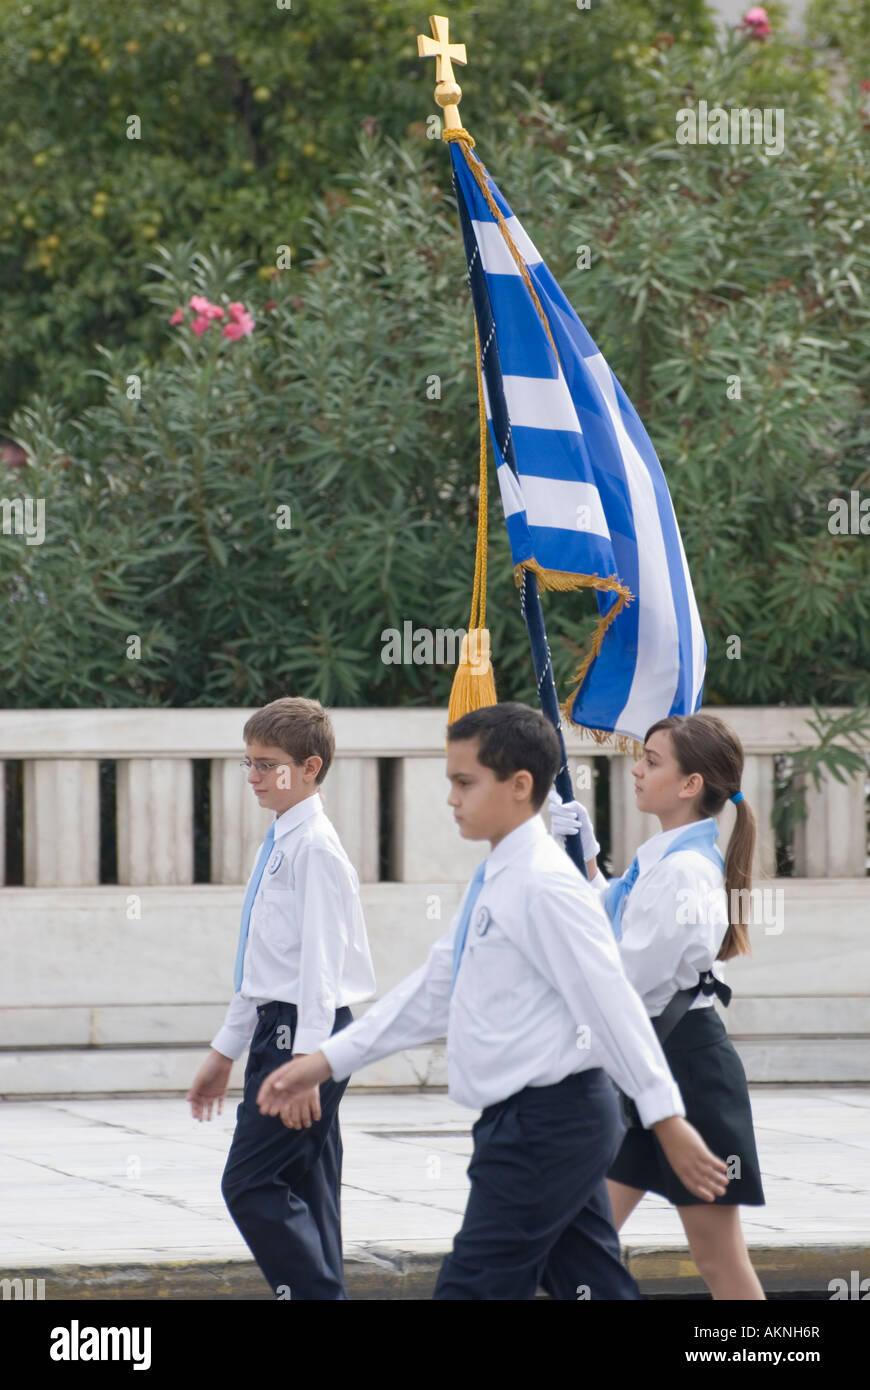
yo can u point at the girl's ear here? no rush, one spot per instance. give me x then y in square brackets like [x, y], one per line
[693, 785]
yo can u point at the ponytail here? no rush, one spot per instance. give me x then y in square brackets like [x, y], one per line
[738, 884]
[704, 744]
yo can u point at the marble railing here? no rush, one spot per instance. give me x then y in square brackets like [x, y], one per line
[386, 794]
[131, 832]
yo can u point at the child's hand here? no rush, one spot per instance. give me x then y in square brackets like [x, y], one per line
[697, 1168]
[290, 1081]
[572, 818]
[210, 1085]
[302, 1112]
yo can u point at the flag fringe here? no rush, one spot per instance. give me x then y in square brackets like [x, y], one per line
[606, 738]
[564, 580]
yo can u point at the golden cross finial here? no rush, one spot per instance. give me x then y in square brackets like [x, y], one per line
[448, 90]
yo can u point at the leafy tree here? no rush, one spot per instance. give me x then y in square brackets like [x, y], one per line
[246, 112]
[709, 263]
[843, 28]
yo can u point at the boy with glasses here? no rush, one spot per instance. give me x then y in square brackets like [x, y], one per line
[303, 958]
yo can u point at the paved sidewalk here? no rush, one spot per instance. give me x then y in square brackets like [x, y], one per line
[121, 1198]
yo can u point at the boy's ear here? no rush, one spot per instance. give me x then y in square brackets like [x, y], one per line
[312, 765]
[524, 784]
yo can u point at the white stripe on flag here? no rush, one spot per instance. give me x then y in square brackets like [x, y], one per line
[654, 682]
[542, 403]
[570, 506]
[511, 497]
[495, 256]
[697, 629]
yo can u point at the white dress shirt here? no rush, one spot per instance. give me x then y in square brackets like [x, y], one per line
[307, 942]
[540, 991]
[673, 922]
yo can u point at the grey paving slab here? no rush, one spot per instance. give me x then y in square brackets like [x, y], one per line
[137, 1181]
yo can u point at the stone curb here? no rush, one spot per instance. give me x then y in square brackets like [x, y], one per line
[384, 1274]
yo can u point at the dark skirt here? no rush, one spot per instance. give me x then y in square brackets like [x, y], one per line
[712, 1082]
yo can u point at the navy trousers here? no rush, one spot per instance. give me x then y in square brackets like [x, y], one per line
[283, 1186]
[538, 1213]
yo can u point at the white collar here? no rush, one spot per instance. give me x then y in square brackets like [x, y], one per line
[295, 815]
[655, 848]
[522, 837]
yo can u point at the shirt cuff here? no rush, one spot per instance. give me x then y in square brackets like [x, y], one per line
[659, 1102]
[341, 1053]
[599, 882]
[309, 1040]
[230, 1042]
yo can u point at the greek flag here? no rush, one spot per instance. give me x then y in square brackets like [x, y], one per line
[585, 499]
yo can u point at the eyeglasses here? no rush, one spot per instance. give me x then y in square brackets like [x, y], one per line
[259, 765]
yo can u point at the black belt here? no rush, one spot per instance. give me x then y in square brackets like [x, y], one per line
[664, 1025]
[682, 1001]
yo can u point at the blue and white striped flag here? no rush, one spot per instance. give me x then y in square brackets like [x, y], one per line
[585, 499]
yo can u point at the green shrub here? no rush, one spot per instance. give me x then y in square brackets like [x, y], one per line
[709, 263]
[843, 29]
[248, 112]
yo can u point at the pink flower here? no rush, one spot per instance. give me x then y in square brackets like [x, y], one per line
[273, 303]
[200, 324]
[865, 84]
[199, 303]
[178, 316]
[213, 311]
[756, 22]
[237, 311]
[238, 328]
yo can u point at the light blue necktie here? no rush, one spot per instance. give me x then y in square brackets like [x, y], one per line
[700, 836]
[253, 885]
[462, 930]
[616, 893]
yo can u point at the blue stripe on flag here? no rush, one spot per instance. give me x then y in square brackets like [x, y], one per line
[523, 347]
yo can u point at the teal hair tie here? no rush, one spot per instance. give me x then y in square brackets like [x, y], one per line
[738, 796]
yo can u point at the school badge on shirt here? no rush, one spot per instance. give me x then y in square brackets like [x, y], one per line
[482, 920]
[275, 862]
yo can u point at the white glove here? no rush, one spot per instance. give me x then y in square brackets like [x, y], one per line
[572, 818]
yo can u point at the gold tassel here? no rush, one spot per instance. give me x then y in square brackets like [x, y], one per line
[474, 683]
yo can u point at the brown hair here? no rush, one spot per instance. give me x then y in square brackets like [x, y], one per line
[702, 743]
[301, 727]
[512, 737]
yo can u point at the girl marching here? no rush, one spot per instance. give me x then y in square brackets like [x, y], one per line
[677, 912]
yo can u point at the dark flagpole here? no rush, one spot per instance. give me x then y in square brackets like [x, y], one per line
[530, 603]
